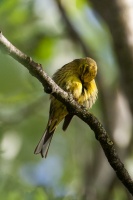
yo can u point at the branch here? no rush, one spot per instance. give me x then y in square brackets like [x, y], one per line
[50, 87]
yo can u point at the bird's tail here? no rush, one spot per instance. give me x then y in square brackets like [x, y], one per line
[44, 143]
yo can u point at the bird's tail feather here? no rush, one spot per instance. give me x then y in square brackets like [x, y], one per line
[44, 143]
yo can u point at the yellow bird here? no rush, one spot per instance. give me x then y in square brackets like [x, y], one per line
[77, 78]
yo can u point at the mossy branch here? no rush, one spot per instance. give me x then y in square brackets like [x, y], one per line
[51, 87]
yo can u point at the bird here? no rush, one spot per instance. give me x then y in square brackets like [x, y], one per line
[77, 78]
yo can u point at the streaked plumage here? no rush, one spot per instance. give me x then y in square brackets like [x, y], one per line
[76, 77]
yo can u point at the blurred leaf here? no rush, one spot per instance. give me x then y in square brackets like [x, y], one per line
[45, 48]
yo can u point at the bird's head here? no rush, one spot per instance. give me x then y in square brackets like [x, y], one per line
[87, 69]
